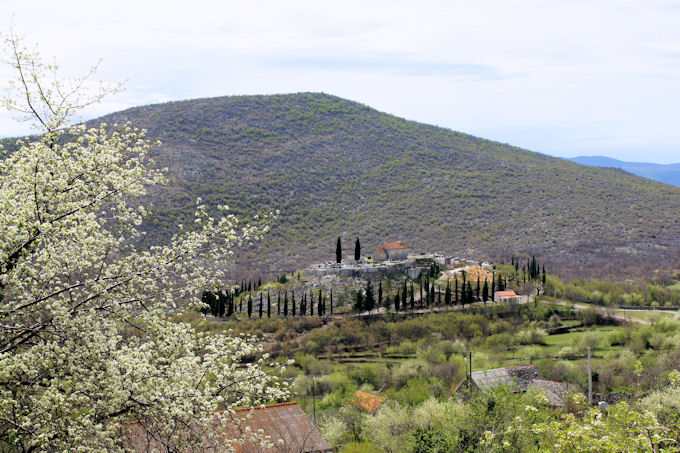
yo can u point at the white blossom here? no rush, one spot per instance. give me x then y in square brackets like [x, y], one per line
[86, 340]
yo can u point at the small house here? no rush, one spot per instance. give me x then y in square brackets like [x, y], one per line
[380, 254]
[507, 297]
[287, 427]
[395, 251]
[554, 392]
[519, 379]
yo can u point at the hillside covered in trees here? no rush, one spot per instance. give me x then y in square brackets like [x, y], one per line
[338, 168]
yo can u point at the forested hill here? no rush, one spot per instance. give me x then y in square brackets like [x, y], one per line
[669, 173]
[338, 168]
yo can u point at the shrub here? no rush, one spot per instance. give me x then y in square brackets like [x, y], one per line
[530, 353]
[369, 374]
[408, 370]
[664, 403]
[569, 352]
[587, 340]
[311, 365]
[531, 336]
[499, 342]
[333, 430]
[336, 381]
[619, 337]
[446, 372]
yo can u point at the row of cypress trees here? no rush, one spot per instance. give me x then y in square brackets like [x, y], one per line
[404, 299]
[223, 304]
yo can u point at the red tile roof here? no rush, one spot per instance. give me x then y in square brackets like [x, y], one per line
[393, 246]
[366, 402]
[287, 426]
[503, 294]
[381, 250]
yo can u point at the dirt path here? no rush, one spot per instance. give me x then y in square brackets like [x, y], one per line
[609, 312]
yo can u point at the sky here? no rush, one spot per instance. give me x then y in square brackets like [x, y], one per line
[565, 78]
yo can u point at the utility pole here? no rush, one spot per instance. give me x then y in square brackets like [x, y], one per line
[590, 381]
[314, 401]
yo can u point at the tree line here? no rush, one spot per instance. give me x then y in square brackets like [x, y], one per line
[227, 303]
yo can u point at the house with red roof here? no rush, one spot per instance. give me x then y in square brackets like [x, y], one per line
[507, 296]
[395, 251]
[285, 425]
[366, 402]
[380, 254]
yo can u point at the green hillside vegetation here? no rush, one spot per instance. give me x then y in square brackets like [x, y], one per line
[419, 362]
[337, 168]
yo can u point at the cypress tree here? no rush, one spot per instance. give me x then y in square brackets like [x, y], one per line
[319, 309]
[427, 293]
[380, 294]
[230, 305]
[478, 289]
[369, 302]
[261, 303]
[359, 302]
[396, 302]
[455, 291]
[222, 297]
[250, 286]
[404, 295]
[447, 294]
[292, 302]
[285, 304]
[330, 304]
[240, 305]
[278, 303]
[432, 292]
[338, 251]
[493, 287]
[357, 250]
[204, 299]
[413, 299]
[311, 303]
[469, 292]
[485, 291]
[303, 304]
[420, 280]
[463, 289]
[269, 306]
[250, 305]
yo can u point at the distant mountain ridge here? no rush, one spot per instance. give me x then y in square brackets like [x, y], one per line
[334, 167]
[669, 173]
